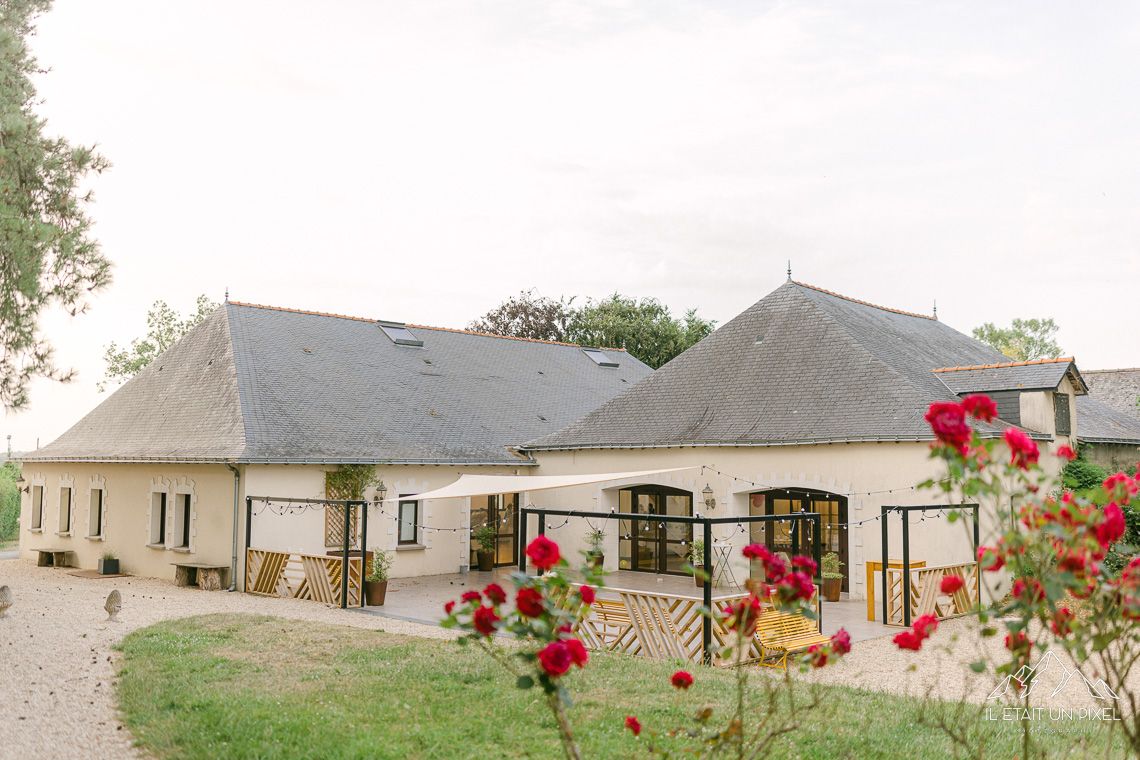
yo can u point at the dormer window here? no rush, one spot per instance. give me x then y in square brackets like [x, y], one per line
[399, 334]
[599, 357]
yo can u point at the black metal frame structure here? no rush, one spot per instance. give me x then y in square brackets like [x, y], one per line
[348, 505]
[707, 522]
[903, 512]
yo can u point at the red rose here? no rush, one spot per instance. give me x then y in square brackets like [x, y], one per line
[449, 607]
[1066, 453]
[543, 553]
[1111, 529]
[1120, 487]
[743, 615]
[807, 564]
[1019, 644]
[907, 640]
[555, 658]
[925, 626]
[818, 654]
[1062, 622]
[495, 593]
[952, 583]
[1028, 591]
[471, 596]
[529, 602]
[587, 594]
[578, 654]
[756, 551]
[841, 642]
[484, 620]
[775, 568]
[980, 407]
[632, 724]
[681, 680]
[948, 421]
[990, 560]
[1023, 451]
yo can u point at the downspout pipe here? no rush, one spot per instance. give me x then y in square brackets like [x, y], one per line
[237, 510]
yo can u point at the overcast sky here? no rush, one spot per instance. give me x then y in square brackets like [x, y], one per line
[422, 161]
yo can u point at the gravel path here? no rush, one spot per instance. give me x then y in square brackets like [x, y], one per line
[56, 693]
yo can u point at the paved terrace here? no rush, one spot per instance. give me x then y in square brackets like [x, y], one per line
[421, 600]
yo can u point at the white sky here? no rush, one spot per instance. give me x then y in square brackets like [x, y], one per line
[422, 161]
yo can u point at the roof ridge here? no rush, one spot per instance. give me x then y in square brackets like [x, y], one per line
[865, 303]
[1005, 364]
[1121, 369]
[419, 327]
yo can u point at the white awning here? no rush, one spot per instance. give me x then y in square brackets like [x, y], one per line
[488, 485]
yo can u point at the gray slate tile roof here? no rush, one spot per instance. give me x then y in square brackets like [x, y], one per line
[802, 365]
[1118, 388]
[1043, 374]
[1100, 423]
[297, 386]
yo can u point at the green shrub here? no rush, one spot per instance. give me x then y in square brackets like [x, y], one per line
[9, 501]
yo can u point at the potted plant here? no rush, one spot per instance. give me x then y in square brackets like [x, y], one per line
[108, 563]
[595, 538]
[697, 559]
[486, 538]
[832, 578]
[376, 581]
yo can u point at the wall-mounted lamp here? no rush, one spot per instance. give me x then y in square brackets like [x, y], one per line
[381, 491]
[710, 502]
[20, 484]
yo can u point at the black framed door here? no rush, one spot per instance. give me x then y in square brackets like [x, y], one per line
[501, 511]
[649, 545]
[778, 537]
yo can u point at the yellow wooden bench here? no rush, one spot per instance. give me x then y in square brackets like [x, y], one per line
[782, 633]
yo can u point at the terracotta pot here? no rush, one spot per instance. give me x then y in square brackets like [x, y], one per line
[597, 559]
[832, 588]
[486, 560]
[374, 592]
[700, 580]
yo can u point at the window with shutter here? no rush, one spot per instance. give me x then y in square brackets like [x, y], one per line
[1064, 419]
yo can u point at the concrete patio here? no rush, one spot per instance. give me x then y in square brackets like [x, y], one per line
[421, 600]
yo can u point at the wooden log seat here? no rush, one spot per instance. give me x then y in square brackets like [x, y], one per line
[207, 577]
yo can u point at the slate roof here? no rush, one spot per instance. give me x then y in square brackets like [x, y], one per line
[1039, 374]
[262, 384]
[802, 365]
[1118, 388]
[1100, 423]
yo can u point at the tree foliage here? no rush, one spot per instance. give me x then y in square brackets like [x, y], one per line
[49, 257]
[1024, 340]
[646, 328]
[9, 501]
[164, 327]
[527, 315]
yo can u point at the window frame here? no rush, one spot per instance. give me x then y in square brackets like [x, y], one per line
[183, 521]
[158, 515]
[400, 521]
[95, 512]
[65, 530]
[37, 516]
[1058, 396]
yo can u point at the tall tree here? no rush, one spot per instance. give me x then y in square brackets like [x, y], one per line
[48, 256]
[645, 329]
[1025, 340]
[164, 327]
[527, 315]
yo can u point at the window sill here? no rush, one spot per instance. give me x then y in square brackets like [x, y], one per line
[156, 546]
[95, 538]
[410, 547]
[63, 533]
[181, 549]
[35, 530]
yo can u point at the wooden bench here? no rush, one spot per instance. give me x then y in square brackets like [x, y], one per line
[52, 558]
[207, 577]
[782, 633]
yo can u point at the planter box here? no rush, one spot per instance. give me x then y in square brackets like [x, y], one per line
[486, 560]
[108, 567]
[374, 592]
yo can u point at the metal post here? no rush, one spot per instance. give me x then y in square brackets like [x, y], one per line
[706, 624]
[816, 534]
[978, 567]
[363, 547]
[906, 568]
[248, 528]
[344, 568]
[797, 526]
[884, 513]
[522, 540]
[542, 525]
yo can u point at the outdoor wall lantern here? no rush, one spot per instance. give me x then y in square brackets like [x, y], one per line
[20, 484]
[381, 491]
[710, 502]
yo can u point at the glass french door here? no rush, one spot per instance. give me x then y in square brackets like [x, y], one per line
[778, 537]
[501, 511]
[646, 544]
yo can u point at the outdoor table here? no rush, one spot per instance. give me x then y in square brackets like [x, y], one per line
[876, 566]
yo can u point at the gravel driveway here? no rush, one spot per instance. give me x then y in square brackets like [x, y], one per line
[56, 661]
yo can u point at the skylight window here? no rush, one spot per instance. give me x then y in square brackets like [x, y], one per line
[399, 334]
[600, 358]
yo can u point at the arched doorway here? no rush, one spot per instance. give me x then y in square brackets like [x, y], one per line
[778, 537]
[647, 545]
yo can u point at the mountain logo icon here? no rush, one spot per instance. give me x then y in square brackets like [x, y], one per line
[1027, 678]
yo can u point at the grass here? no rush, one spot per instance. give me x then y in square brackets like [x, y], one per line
[243, 686]
[10, 545]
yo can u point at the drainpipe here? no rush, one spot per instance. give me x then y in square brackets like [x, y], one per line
[234, 564]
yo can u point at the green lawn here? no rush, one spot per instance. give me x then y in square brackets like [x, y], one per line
[242, 686]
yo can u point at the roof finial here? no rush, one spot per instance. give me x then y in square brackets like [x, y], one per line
[227, 294]
[936, 309]
[789, 270]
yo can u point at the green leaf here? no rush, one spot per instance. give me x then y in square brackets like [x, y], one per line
[525, 682]
[978, 666]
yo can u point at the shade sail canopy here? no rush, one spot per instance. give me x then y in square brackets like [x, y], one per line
[487, 485]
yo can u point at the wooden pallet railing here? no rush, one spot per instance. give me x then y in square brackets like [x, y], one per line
[926, 597]
[301, 576]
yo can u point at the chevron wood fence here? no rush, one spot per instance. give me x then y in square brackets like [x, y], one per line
[926, 597]
[301, 576]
